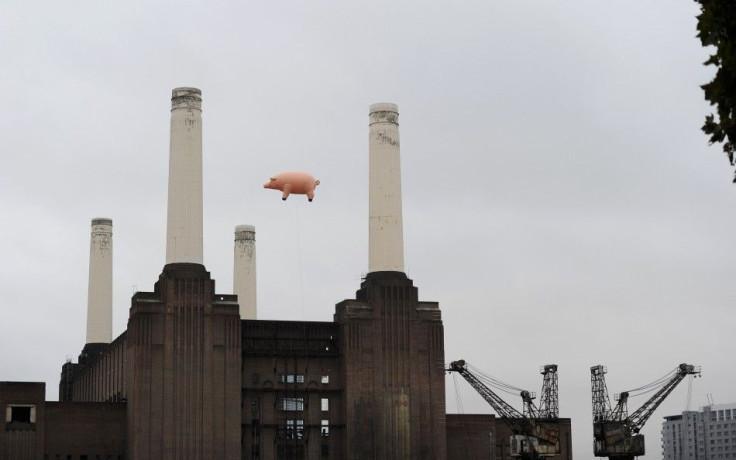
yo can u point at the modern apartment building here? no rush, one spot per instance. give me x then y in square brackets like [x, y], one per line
[709, 434]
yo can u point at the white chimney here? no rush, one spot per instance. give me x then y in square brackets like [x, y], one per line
[184, 223]
[99, 294]
[244, 270]
[385, 231]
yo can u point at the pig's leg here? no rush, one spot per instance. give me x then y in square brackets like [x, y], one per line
[310, 195]
[287, 190]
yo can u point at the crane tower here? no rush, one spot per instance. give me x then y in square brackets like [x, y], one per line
[535, 431]
[616, 433]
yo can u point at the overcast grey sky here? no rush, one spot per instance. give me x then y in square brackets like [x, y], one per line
[560, 200]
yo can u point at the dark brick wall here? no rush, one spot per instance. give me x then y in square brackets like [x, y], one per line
[69, 372]
[22, 440]
[99, 375]
[393, 371]
[184, 368]
[468, 438]
[97, 430]
[289, 367]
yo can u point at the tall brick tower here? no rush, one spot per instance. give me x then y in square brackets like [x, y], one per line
[183, 346]
[393, 348]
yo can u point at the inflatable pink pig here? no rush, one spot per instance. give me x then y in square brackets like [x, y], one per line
[296, 182]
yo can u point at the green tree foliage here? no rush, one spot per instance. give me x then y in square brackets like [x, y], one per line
[717, 28]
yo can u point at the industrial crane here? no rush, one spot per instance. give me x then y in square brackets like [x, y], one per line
[616, 433]
[536, 431]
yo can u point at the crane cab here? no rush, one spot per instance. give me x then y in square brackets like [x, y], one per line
[626, 448]
[529, 447]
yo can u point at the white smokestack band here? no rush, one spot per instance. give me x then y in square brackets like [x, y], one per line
[244, 270]
[184, 223]
[99, 294]
[385, 231]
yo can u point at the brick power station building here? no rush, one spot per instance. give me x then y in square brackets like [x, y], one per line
[196, 376]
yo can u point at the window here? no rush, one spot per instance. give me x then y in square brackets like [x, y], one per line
[325, 403]
[291, 404]
[294, 429]
[325, 429]
[325, 379]
[20, 413]
[255, 404]
[291, 378]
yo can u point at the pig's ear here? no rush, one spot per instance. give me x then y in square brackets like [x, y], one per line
[272, 179]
